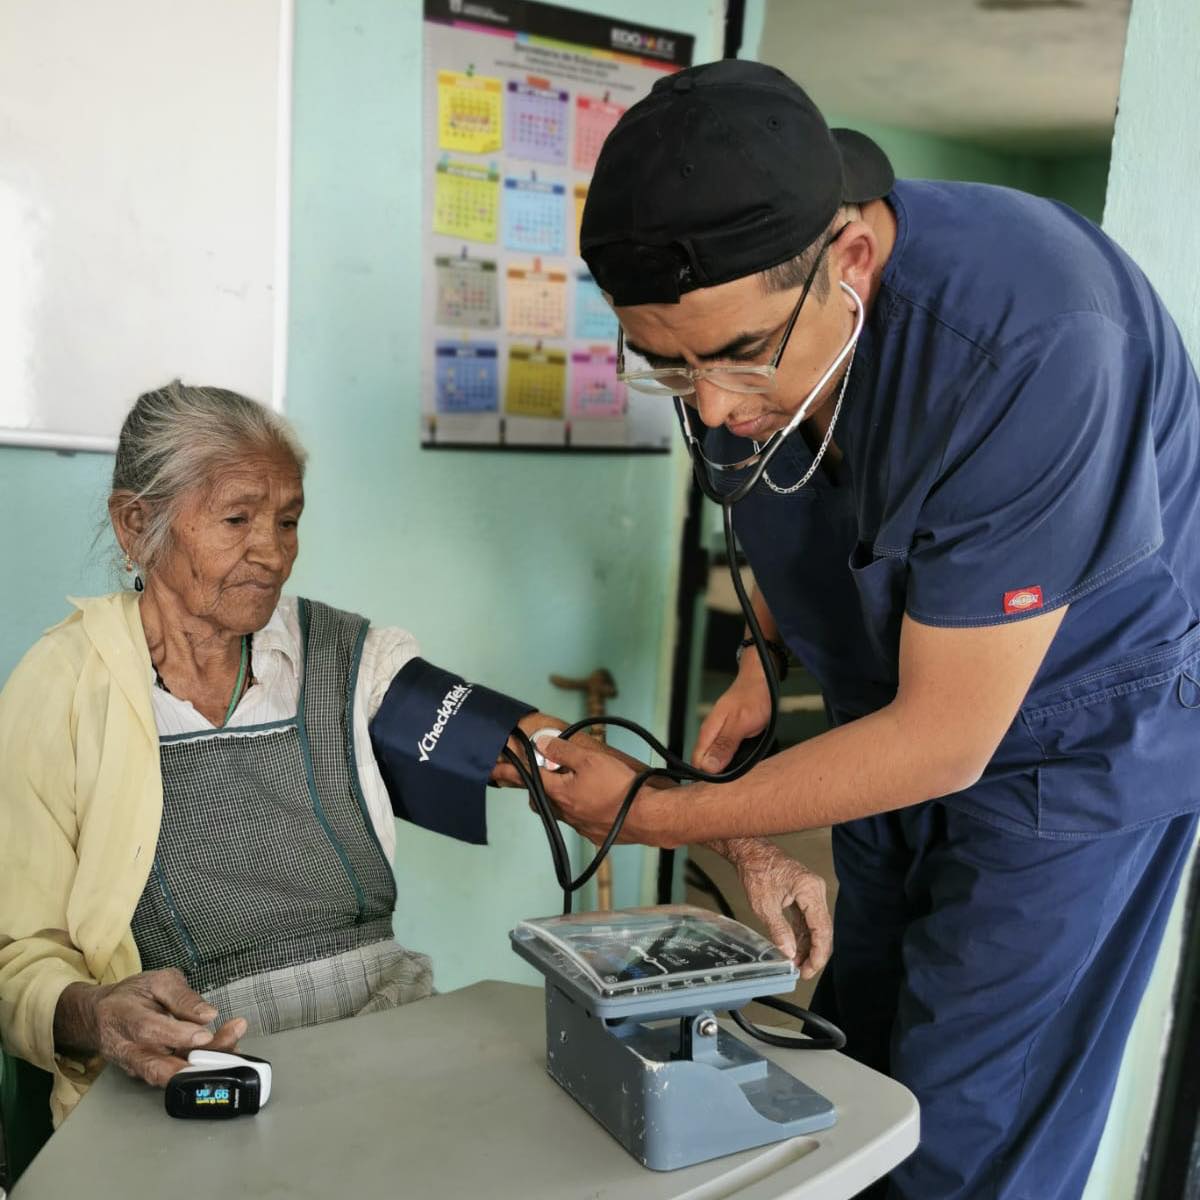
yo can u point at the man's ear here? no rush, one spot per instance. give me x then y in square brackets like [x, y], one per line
[857, 256]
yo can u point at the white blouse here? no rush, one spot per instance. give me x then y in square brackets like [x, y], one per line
[277, 663]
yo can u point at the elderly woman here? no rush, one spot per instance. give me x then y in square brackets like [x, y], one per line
[195, 829]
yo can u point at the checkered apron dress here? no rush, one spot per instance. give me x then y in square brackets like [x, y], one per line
[269, 888]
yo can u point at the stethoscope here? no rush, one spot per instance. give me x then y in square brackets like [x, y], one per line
[677, 768]
[704, 468]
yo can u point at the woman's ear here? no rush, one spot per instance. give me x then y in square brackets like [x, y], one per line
[128, 517]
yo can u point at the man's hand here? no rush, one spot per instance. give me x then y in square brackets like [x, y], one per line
[589, 792]
[742, 711]
[146, 1024]
[787, 897]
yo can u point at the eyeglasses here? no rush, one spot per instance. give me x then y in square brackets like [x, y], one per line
[681, 381]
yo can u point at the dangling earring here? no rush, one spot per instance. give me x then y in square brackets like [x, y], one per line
[138, 585]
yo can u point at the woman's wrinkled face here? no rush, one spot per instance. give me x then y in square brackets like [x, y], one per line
[234, 542]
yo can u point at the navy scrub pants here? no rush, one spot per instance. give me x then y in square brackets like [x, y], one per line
[997, 977]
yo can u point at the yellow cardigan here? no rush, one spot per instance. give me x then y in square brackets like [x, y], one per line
[80, 806]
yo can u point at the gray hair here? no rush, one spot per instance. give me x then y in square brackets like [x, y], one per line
[792, 272]
[172, 441]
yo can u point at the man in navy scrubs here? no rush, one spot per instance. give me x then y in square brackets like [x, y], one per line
[993, 572]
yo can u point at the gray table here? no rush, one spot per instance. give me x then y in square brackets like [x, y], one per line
[445, 1098]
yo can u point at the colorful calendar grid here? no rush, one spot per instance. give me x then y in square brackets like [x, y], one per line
[537, 380]
[580, 201]
[534, 216]
[469, 113]
[594, 320]
[595, 391]
[467, 295]
[467, 379]
[466, 201]
[594, 118]
[537, 302]
[537, 121]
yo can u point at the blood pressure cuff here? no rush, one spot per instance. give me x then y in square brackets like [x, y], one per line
[436, 740]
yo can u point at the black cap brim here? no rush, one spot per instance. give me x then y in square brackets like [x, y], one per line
[866, 172]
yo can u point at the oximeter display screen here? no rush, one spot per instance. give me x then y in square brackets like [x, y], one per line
[221, 1092]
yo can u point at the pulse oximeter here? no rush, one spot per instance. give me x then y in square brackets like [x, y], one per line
[217, 1085]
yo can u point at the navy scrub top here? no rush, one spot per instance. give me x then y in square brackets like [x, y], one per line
[1021, 430]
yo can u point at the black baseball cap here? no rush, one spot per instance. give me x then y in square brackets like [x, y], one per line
[723, 170]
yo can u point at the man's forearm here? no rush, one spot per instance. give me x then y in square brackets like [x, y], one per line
[872, 765]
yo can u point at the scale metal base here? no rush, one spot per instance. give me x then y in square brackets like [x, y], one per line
[656, 1070]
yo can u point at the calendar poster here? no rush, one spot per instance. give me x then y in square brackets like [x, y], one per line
[518, 342]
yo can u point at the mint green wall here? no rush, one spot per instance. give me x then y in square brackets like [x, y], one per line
[1151, 197]
[51, 506]
[509, 567]
[1079, 180]
[917, 155]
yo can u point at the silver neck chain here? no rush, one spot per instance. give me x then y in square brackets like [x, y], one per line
[816, 462]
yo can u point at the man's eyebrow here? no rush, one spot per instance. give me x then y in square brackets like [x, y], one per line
[743, 343]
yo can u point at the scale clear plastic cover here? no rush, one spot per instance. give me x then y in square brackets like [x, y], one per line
[642, 950]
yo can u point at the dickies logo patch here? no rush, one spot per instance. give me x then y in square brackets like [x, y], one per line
[1023, 600]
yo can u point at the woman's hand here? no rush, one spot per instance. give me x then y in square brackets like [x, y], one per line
[146, 1024]
[504, 774]
[742, 711]
[787, 897]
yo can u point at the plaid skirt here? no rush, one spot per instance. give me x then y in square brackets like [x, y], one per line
[367, 979]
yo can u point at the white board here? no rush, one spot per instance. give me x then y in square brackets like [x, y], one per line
[144, 159]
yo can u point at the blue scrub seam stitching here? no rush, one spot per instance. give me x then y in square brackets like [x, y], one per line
[1146, 660]
[1072, 594]
[1128, 688]
[1071, 835]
